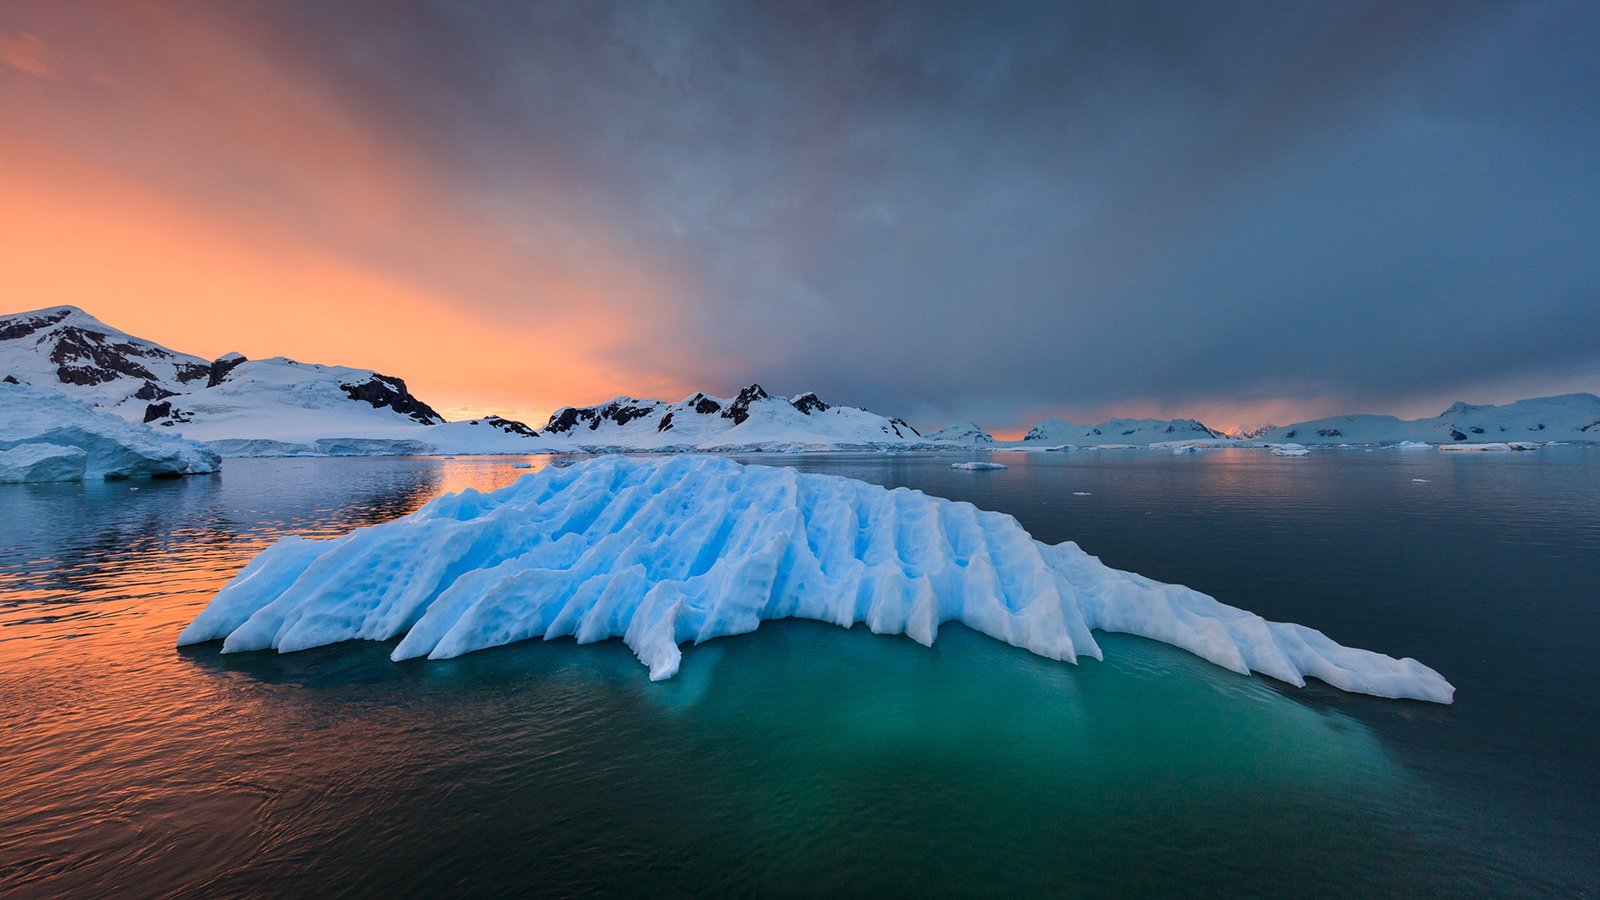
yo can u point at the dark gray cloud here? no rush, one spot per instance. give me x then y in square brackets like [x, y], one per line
[976, 210]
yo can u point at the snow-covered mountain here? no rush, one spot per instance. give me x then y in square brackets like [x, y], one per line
[284, 399]
[67, 349]
[1566, 417]
[753, 420]
[283, 407]
[241, 406]
[1118, 431]
[962, 433]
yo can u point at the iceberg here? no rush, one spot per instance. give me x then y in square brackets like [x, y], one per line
[978, 466]
[42, 462]
[39, 428]
[659, 552]
[1289, 450]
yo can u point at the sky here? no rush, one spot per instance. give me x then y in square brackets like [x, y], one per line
[1239, 211]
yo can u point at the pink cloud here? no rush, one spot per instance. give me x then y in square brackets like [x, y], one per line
[28, 54]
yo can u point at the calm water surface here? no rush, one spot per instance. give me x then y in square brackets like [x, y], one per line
[809, 759]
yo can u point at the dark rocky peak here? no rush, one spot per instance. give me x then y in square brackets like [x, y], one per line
[621, 411]
[704, 405]
[809, 403]
[24, 324]
[739, 409]
[217, 372]
[89, 357]
[565, 419]
[386, 391]
[87, 352]
[10, 379]
[509, 426]
[188, 372]
[152, 391]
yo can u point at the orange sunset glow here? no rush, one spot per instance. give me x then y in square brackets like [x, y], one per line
[189, 188]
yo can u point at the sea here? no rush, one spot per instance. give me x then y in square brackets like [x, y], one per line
[807, 759]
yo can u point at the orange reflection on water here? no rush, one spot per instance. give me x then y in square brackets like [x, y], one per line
[115, 742]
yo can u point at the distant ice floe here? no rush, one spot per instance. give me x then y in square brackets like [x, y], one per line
[665, 551]
[1490, 447]
[1289, 450]
[977, 466]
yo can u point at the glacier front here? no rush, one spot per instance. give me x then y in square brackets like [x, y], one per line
[45, 436]
[660, 552]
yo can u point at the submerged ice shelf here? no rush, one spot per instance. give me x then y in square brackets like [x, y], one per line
[660, 552]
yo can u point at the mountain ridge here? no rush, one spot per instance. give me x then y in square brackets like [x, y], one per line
[279, 405]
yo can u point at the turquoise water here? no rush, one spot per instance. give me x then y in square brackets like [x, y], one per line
[810, 759]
